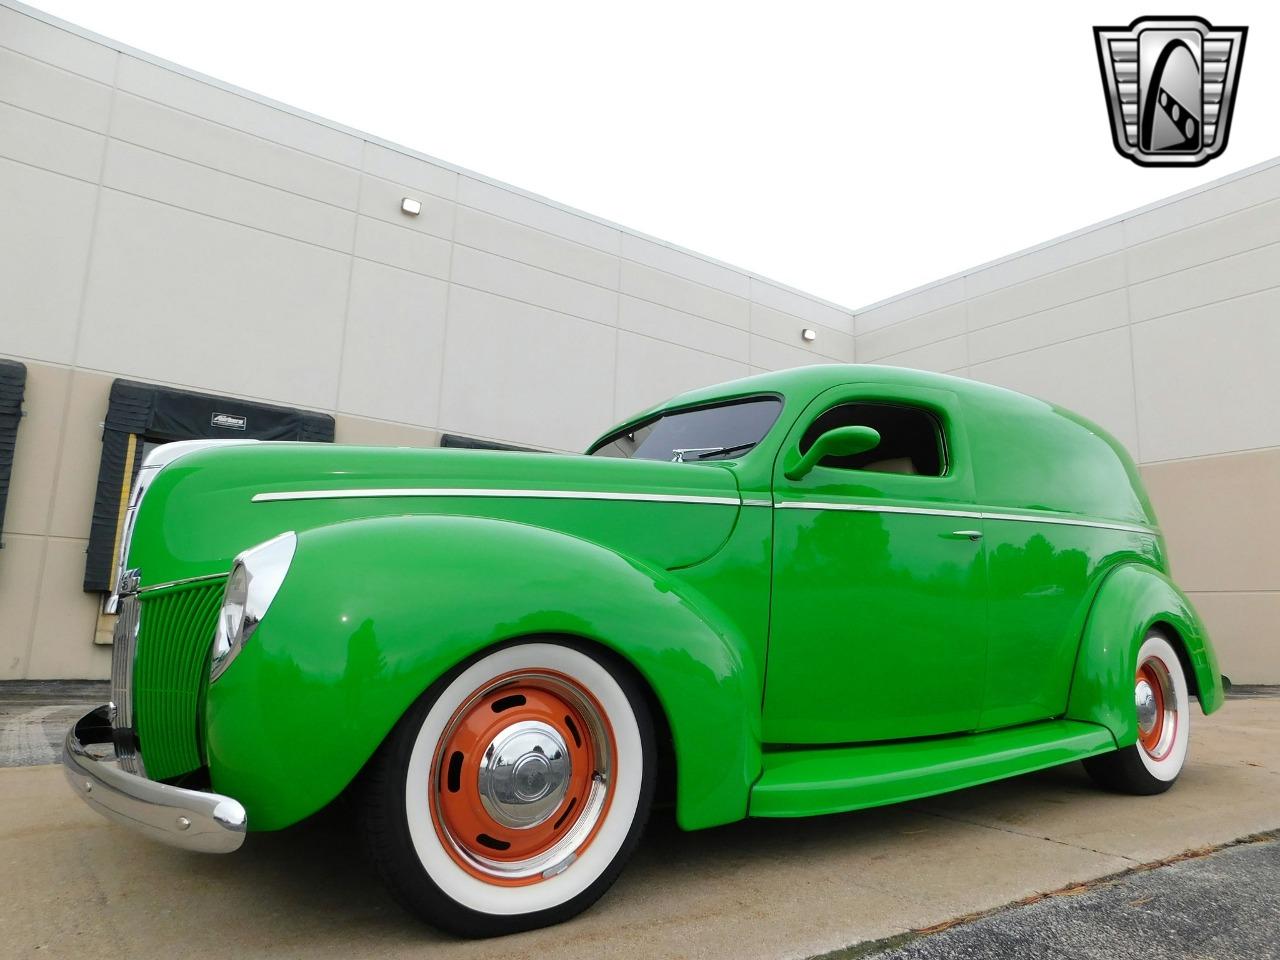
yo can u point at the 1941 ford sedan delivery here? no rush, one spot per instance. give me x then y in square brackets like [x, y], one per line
[794, 594]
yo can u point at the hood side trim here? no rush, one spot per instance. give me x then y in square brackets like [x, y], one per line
[356, 493]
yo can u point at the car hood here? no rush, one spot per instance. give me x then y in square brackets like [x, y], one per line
[205, 507]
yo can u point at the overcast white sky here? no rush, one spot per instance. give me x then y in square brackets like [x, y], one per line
[853, 151]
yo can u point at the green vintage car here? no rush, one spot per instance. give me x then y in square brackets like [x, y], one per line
[798, 593]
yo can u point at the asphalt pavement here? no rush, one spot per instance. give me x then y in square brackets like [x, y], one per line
[1223, 905]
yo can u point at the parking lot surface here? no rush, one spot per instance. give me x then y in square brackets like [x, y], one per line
[80, 886]
[1222, 905]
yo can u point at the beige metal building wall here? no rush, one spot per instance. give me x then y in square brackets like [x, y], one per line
[1163, 325]
[163, 227]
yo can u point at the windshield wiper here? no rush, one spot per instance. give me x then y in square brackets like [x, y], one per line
[704, 452]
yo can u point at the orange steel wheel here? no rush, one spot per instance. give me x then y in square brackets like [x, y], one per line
[1157, 708]
[522, 777]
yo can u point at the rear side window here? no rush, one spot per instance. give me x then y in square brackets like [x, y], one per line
[911, 439]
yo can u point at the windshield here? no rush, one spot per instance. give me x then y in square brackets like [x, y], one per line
[706, 433]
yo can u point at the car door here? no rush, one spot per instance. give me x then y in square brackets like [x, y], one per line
[878, 617]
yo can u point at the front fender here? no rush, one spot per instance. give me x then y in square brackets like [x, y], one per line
[1133, 598]
[373, 611]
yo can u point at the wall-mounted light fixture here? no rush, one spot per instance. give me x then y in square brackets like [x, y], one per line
[411, 206]
[808, 334]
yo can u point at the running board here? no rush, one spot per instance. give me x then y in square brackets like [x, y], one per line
[803, 783]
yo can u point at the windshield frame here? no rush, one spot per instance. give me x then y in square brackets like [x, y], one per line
[648, 418]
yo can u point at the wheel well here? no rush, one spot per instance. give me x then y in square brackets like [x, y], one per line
[1170, 633]
[665, 761]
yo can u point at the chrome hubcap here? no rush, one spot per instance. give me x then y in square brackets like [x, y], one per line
[524, 774]
[1145, 698]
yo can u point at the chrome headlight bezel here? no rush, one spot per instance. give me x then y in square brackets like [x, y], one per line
[256, 577]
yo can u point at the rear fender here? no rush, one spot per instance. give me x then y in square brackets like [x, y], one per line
[1132, 600]
[372, 612]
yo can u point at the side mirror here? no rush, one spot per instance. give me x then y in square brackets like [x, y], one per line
[837, 442]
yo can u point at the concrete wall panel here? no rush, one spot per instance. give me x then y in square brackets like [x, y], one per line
[651, 370]
[665, 323]
[1090, 375]
[688, 296]
[177, 297]
[909, 334]
[535, 247]
[1221, 519]
[398, 246]
[145, 173]
[944, 356]
[542, 288]
[771, 355]
[56, 47]
[1050, 258]
[52, 145]
[411, 171]
[52, 92]
[21, 563]
[533, 212]
[798, 305]
[178, 134]
[1207, 379]
[1049, 290]
[1106, 311]
[1237, 622]
[44, 247]
[1210, 282]
[686, 265]
[64, 610]
[393, 351]
[203, 99]
[787, 329]
[79, 452]
[381, 199]
[523, 374]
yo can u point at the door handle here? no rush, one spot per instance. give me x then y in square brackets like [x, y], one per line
[971, 535]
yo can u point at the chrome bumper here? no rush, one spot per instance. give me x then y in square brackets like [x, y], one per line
[191, 819]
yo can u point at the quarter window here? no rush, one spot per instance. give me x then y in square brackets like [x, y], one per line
[910, 438]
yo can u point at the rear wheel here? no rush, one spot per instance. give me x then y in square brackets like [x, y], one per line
[512, 794]
[1163, 713]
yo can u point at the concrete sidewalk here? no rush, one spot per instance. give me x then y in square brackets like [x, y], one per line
[78, 885]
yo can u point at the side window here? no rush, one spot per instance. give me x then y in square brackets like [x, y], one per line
[910, 438]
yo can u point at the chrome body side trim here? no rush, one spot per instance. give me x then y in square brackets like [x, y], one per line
[1071, 522]
[874, 508]
[190, 819]
[357, 493]
[970, 514]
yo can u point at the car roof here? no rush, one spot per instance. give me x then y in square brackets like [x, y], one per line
[811, 380]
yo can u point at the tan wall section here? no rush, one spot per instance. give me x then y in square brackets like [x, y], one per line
[50, 620]
[1221, 519]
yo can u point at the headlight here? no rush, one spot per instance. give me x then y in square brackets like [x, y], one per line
[256, 577]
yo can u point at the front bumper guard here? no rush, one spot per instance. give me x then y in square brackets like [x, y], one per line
[190, 819]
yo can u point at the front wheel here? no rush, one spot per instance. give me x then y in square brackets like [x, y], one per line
[511, 795]
[1163, 712]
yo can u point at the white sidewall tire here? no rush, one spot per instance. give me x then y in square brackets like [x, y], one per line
[1170, 765]
[493, 899]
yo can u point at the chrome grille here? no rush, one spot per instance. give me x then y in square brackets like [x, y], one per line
[124, 650]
